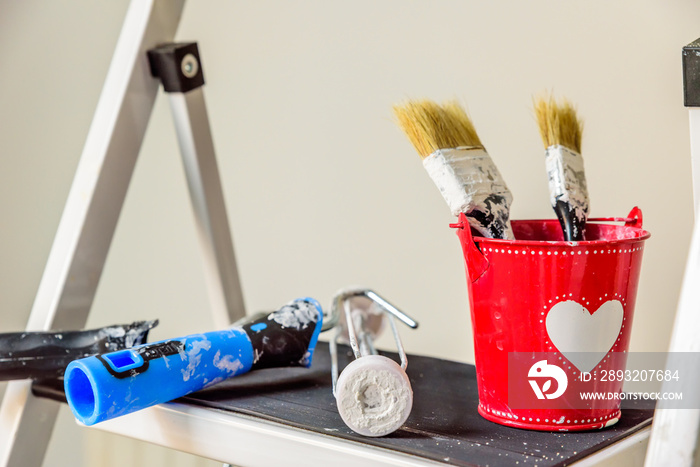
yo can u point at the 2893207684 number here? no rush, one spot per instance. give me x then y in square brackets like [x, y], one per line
[639, 375]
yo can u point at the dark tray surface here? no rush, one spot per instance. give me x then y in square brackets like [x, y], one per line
[444, 425]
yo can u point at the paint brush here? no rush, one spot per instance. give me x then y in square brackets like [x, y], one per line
[45, 355]
[454, 157]
[561, 131]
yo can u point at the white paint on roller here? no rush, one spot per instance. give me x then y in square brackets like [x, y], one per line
[374, 396]
[297, 314]
[227, 362]
[567, 179]
[194, 357]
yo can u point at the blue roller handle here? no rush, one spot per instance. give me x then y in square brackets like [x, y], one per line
[106, 386]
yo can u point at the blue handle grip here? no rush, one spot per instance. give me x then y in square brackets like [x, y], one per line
[106, 386]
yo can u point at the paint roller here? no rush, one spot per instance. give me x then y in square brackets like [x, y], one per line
[373, 393]
[106, 386]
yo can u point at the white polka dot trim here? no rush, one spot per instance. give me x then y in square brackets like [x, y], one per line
[573, 252]
[534, 421]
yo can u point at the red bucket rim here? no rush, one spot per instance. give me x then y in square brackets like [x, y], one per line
[633, 222]
[642, 235]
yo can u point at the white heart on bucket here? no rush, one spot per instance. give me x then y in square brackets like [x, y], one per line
[584, 338]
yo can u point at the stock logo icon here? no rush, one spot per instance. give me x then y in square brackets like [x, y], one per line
[545, 373]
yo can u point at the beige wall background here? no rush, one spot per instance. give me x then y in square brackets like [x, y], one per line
[323, 190]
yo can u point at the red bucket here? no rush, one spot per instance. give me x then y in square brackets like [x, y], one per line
[541, 294]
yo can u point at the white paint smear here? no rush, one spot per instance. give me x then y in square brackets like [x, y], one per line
[466, 177]
[227, 362]
[567, 179]
[194, 357]
[374, 402]
[298, 315]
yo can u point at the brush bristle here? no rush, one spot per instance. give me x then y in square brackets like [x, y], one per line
[430, 126]
[558, 123]
[462, 124]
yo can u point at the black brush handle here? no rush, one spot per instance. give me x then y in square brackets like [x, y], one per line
[283, 342]
[45, 355]
[572, 225]
[492, 218]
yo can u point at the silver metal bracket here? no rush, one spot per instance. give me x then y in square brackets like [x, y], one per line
[360, 329]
